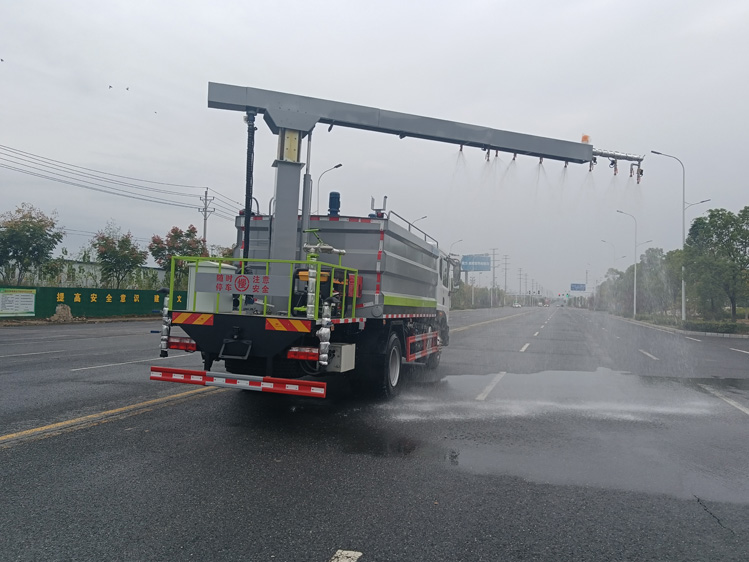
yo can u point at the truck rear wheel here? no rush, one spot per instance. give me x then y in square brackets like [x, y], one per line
[433, 360]
[390, 381]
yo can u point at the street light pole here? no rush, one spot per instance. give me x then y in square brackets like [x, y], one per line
[613, 252]
[413, 223]
[450, 253]
[634, 308]
[683, 230]
[317, 211]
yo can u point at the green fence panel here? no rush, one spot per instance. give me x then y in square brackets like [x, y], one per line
[95, 303]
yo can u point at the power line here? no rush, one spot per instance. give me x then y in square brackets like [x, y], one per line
[31, 157]
[76, 232]
[106, 189]
[225, 197]
[225, 207]
[54, 170]
[101, 172]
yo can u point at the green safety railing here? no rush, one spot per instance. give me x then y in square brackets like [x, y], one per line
[338, 276]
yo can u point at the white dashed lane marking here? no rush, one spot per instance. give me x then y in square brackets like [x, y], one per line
[346, 556]
[653, 357]
[35, 353]
[490, 386]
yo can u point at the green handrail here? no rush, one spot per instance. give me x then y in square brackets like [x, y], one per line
[243, 263]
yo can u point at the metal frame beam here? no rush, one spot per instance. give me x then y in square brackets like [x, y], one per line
[300, 113]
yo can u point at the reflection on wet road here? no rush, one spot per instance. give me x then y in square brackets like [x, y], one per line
[603, 429]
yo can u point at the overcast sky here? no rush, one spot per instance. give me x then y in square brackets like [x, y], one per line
[635, 76]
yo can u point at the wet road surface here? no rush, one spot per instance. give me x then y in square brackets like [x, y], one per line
[557, 434]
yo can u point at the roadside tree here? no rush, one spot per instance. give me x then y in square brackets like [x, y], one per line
[117, 254]
[717, 257]
[27, 239]
[177, 242]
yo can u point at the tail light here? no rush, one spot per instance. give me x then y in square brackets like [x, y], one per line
[303, 353]
[185, 344]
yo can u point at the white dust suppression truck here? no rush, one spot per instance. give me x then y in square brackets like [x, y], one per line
[307, 297]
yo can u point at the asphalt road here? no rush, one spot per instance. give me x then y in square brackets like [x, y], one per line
[557, 434]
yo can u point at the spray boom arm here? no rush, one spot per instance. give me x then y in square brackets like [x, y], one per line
[283, 111]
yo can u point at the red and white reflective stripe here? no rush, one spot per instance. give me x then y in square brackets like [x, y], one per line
[431, 315]
[431, 345]
[260, 384]
[341, 219]
[347, 320]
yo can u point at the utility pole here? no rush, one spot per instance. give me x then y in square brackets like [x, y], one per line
[533, 292]
[205, 211]
[526, 289]
[505, 295]
[520, 281]
[494, 279]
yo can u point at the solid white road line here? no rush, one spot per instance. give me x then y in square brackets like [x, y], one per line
[534, 335]
[653, 357]
[693, 339]
[124, 363]
[739, 350]
[522, 349]
[725, 399]
[491, 385]
[346, 556]
[35, 353]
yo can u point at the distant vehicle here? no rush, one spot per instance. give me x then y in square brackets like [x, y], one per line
[517, 305]
[546, 305]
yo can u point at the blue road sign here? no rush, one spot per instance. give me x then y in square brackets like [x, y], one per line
[476, 263]
[577, 286]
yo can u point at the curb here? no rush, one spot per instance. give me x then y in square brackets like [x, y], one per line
[685, 332]
[45, 322]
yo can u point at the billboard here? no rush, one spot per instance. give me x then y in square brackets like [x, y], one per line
[477, 262]
[577, 286]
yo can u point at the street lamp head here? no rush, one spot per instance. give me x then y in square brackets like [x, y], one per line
[618, 211]
[337, 165]
[656, 152]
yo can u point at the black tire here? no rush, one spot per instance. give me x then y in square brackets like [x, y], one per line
[389, 377]
[433, 360]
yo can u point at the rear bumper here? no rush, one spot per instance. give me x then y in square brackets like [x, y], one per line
[295, 387]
